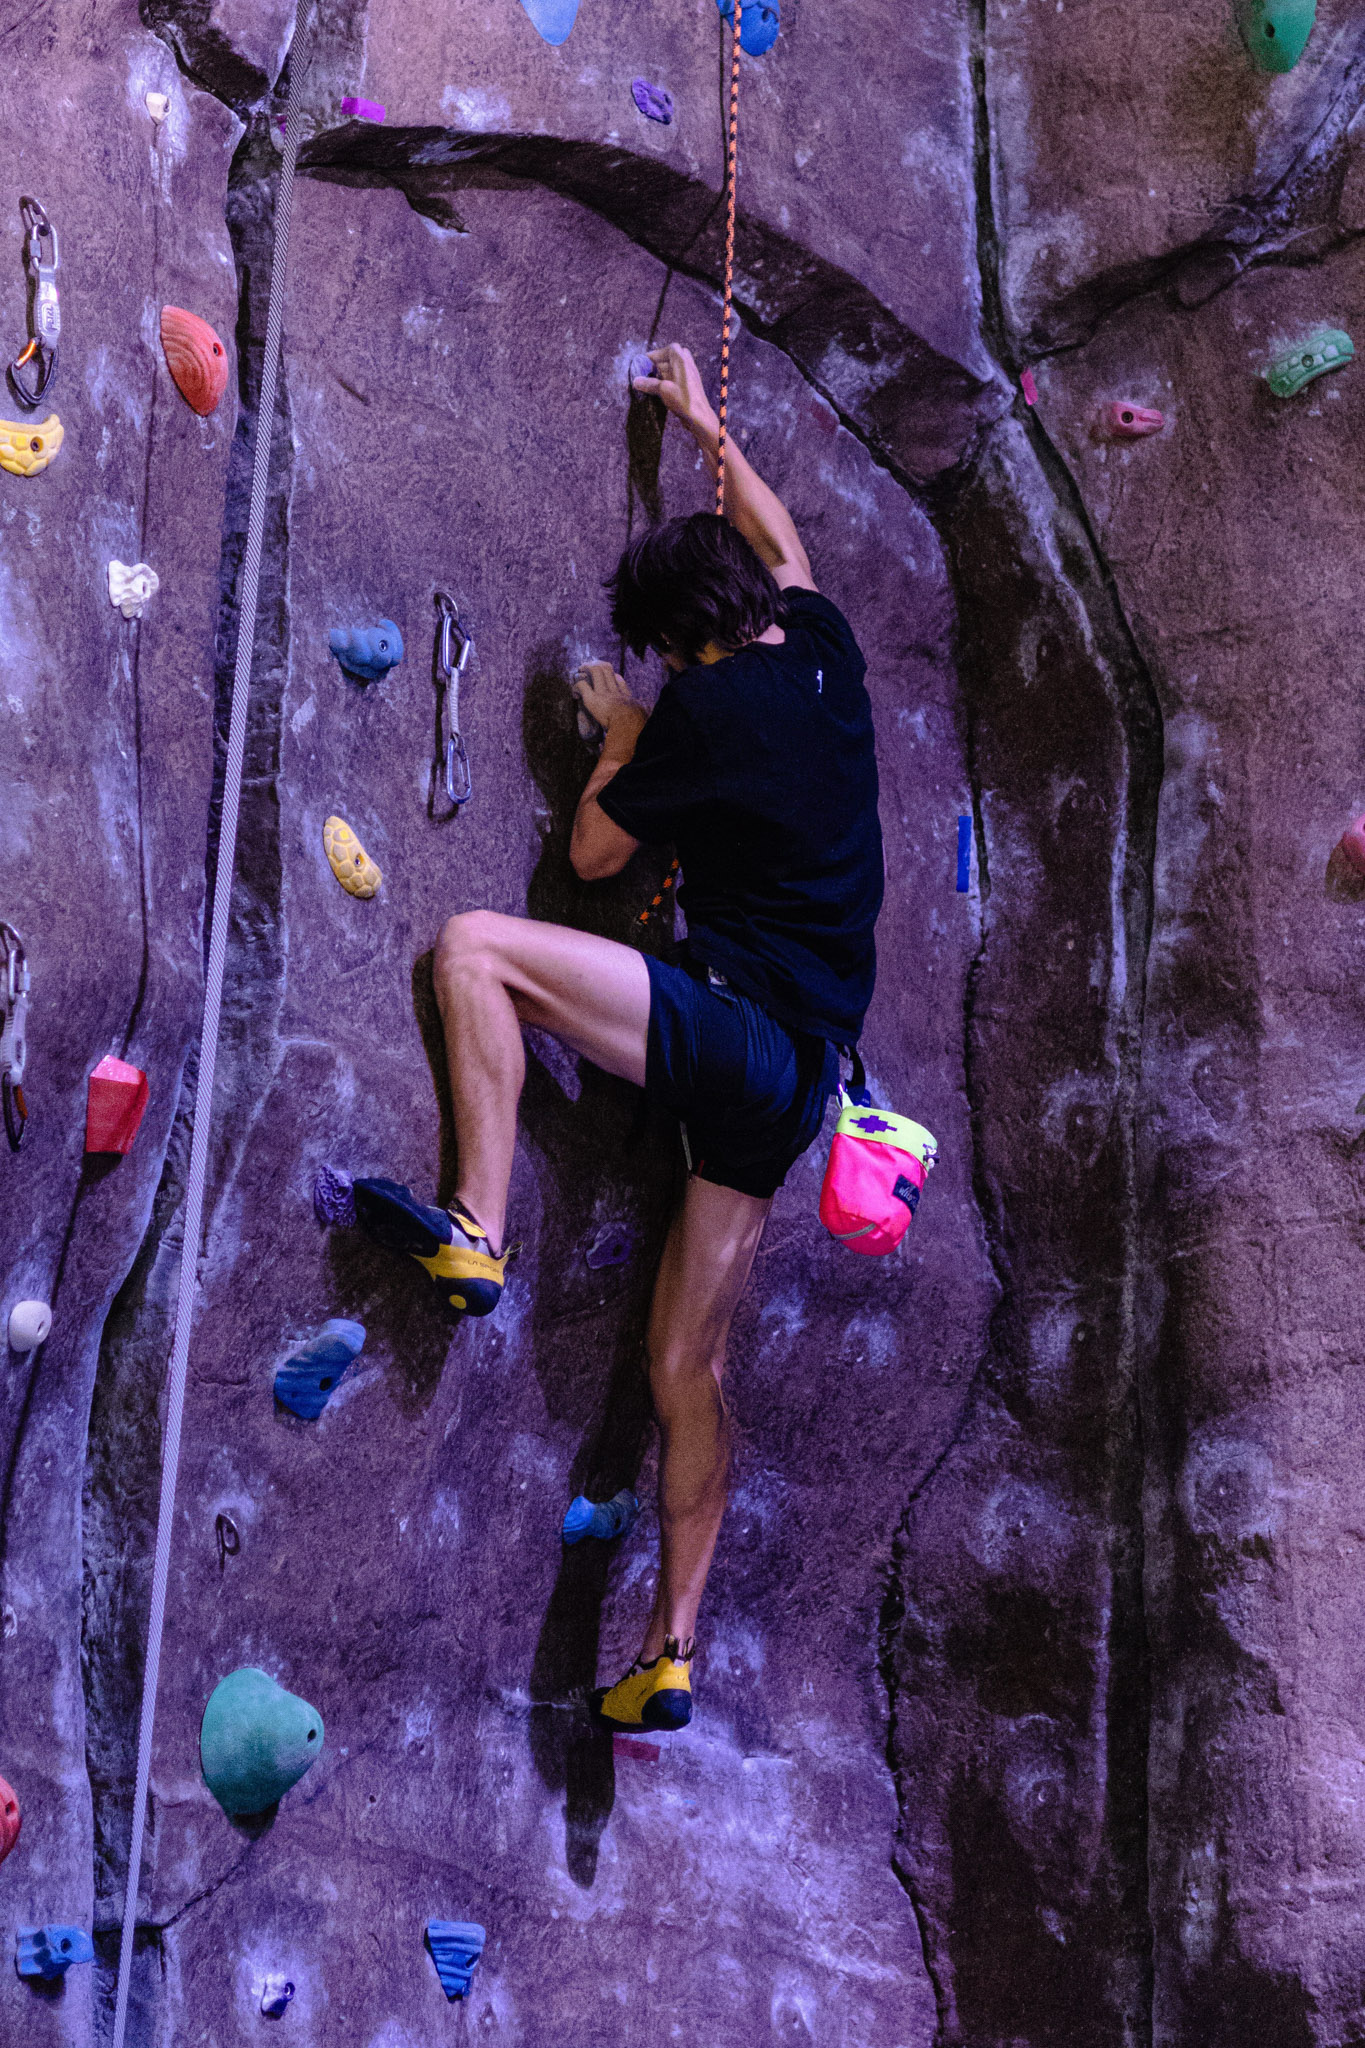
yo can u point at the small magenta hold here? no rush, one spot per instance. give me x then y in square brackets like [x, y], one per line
[11, 1820]
[47, 1953]
[631, 1745]
[362, 110]
[1029, 388]
[334, 1198]
[306, 1382]
[604, 1519]
[654, 101]
[1126, 421]
[455, 1947]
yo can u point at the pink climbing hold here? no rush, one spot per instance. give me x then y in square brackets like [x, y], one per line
[363, 110]
[630, 1745]
[1126, 421]
[115, 1100]
[1351, 846]
[1029, 388]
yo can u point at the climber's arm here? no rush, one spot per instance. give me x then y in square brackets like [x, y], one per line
[599, 847]
[750, 506]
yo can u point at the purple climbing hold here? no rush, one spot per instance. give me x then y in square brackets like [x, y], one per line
[334, 1198]
[368, 110]
[612, 1246]
[641, 365]
[654, 101]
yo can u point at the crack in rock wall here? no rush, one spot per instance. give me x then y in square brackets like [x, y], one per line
[1027, 1708]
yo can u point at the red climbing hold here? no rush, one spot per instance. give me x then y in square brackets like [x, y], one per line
[11, 1820]
[1126, 421]
[1351, 846]
[115, 1100]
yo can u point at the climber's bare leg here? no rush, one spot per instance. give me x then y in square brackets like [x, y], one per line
[706, 1262]
[492, 975]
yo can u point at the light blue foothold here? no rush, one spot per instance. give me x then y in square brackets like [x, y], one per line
[455, 1946]
[759, 24]
[367, 653]
[604, 1519]
[47, 1953]
[306, 1382]
[553, 19]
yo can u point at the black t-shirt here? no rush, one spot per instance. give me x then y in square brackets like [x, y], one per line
[761, 770]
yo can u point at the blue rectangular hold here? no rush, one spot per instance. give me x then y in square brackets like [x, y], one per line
[964, 855]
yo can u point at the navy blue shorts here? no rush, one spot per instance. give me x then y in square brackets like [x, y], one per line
[750, 1094]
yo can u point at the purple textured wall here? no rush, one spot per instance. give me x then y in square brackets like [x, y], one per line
[1028, 1699]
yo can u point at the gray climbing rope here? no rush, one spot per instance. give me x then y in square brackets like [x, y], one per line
[208, 1037]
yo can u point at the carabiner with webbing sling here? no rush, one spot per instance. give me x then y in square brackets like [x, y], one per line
[30, 385]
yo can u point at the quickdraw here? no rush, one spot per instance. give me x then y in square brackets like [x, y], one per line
[44, 309]
[453, 649]
[15, 982]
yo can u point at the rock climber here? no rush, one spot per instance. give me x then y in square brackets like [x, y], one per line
[757, 764]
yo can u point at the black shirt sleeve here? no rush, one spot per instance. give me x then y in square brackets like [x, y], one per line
[668, 777]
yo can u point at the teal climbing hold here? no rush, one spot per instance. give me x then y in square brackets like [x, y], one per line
[256, 1740]
[306, 1381]
[759, 23]
[1276, 31]
[47, 1953]
[553, 19]
[1326, 348]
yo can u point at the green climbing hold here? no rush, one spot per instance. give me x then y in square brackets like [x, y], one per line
[256, 1740]
[1276, 31]
[1326, 348]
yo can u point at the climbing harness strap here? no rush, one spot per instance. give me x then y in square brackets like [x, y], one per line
[15, 982]
[44, 309]
[731, 165]
[450, 666]
[208, 1039]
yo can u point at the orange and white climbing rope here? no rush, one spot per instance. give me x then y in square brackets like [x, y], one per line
[731, 165]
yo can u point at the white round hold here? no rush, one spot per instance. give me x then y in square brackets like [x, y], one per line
[29, 1324]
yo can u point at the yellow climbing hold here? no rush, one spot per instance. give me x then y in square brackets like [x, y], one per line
[26, 450]
[351, 865]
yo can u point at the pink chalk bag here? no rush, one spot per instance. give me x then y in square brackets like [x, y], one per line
[878, 1164]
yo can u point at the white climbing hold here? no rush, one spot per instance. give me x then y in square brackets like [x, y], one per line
[158, 106]
[131, 586]
[29, 1324]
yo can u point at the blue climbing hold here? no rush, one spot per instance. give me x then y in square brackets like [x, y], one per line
[306, 1382]
[334, 1197]
[603, 1519]
[47, 1953]
[367, 653]
[455, 1946]
[553, 19]
[759, 22]
[964, 855]
[612, 1246]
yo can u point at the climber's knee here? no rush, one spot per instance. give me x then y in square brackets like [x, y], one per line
[468, 953]
[684, 1385]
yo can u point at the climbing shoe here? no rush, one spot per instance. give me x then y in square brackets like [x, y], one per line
[452, 1248]
[657, 1695]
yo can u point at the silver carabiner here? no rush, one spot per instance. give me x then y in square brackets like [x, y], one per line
[45, 307]
[15, 982]
[453, 649]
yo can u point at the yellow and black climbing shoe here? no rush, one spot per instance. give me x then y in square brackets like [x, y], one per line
[452, 1248]
[656, 1695]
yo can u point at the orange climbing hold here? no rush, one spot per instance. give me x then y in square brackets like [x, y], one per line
[115, 1100]
[195, 358]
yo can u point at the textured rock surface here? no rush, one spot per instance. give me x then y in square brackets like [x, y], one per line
[1030, 1711]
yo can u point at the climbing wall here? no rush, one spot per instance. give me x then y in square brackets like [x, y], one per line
[1028, 1709]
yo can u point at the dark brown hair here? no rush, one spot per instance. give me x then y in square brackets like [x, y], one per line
[688, 582]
